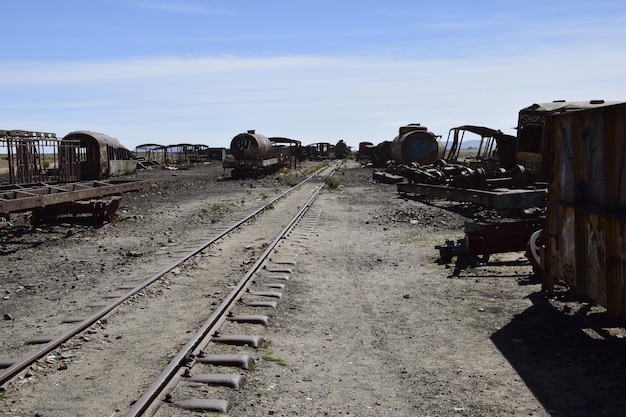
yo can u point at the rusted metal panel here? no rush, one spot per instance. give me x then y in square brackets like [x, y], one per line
[502, 199]
[120, 168]
[502, 237]
[585, 235]
[21, 198]
[387, 177]
[535, 133]
[616, 267]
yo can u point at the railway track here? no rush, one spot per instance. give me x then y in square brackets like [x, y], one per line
[194, 280]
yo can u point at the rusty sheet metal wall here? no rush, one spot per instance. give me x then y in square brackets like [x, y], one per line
[585, 235]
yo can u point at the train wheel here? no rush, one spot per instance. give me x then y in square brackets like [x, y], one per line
[533, 254]
[520, 176]
[481, 178]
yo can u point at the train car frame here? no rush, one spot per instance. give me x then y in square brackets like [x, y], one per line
[51, 177]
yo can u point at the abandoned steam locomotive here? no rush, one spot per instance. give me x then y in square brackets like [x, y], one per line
[253, 155]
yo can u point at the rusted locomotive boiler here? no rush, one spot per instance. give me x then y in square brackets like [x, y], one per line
[415, 143]
[252, 154]
[493, 166]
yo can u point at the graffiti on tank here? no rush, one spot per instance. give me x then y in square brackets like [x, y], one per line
[532, 119]
[243, 144]
[419, 150]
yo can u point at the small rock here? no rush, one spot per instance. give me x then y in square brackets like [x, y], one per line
[7, 316]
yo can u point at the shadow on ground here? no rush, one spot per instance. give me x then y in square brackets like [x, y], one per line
[573, 364]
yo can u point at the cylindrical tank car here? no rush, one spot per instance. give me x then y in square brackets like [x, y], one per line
[252, 154]
[415, 143]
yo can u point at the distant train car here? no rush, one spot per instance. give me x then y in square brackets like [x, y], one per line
[319, 151]
[415, 143]
[150, 154]
[364, 151]
[252, 154]
[340, 150]
[101, 156]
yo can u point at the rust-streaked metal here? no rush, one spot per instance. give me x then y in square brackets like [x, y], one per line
[499, 199]
[585, 234]
[17, 198]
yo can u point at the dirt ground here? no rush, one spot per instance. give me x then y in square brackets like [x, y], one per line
[371, 324]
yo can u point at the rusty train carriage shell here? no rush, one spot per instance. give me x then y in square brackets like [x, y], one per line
[152, 153]
[585, 234]
[49, 176]
[102, 156]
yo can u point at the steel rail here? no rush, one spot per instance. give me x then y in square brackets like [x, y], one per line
[24, 362]
[203, 335]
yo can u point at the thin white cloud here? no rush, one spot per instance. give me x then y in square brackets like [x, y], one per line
[210, 99]
[181, 7]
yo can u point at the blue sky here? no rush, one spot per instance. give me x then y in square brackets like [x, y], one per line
[193, 71]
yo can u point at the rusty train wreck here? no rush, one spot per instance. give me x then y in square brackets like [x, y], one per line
[491, 177]
[50, 176]
[568, 161]
[584, 159]
[252, 154]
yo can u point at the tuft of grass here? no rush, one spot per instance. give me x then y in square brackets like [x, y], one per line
[290, 181]
[268, 354]
[315, 168]
[217, 206]
[276, 360]
[160, 186]
[332, 182]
